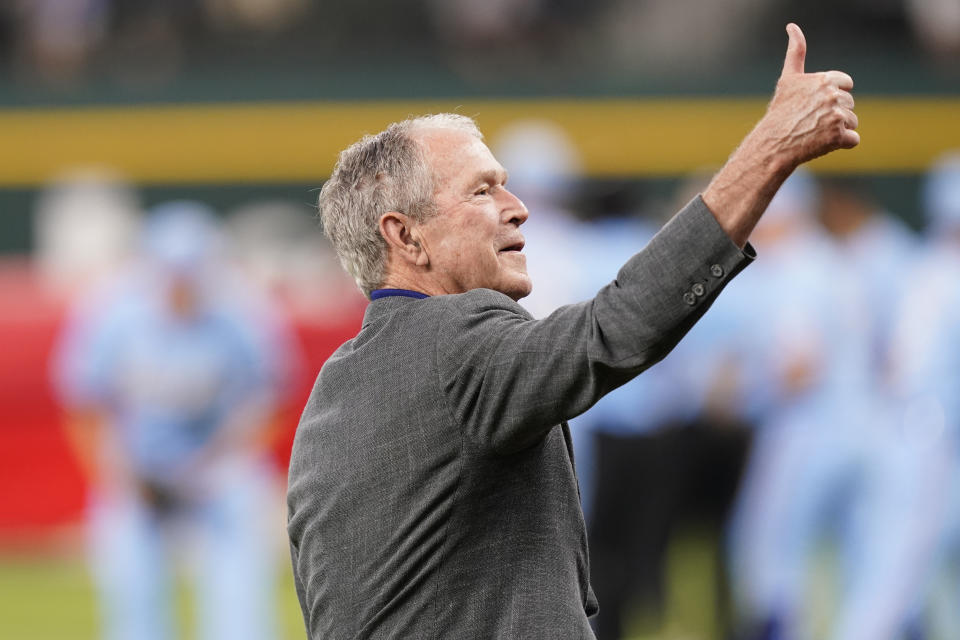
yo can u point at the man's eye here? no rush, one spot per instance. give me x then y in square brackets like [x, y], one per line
[482, 191]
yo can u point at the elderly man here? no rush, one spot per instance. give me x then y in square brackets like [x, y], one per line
[432, 490]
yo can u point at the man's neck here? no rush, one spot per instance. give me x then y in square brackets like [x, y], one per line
[412, 282]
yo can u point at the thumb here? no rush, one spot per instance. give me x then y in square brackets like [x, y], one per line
[796, 51]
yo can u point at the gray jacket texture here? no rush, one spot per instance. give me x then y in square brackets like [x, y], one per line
[432, 491]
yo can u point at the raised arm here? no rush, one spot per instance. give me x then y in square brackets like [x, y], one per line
[509, 379]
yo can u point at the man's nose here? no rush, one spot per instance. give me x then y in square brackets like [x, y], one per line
[514, 208]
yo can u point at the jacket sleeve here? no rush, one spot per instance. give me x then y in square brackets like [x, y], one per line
[509, 379]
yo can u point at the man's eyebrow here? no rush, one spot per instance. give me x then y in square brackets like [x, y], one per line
[492, 176]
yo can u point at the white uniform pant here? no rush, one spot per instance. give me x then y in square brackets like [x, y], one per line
[232, 553]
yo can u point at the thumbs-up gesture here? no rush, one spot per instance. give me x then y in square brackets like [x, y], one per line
[811, 114]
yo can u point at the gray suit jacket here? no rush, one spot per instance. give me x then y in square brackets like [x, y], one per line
[432, 491]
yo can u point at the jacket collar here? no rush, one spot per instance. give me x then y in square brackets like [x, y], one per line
[382, 307]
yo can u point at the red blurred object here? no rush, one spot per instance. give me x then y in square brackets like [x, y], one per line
[41, 487]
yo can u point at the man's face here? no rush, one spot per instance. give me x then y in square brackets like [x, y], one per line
[474, 241]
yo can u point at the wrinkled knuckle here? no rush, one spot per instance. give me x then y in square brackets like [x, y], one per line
[839, 117]
[839, 134]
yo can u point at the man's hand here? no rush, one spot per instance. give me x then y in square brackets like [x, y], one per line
[810, 115]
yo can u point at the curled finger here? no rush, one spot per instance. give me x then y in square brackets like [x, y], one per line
[839, 79]
[845, 99]
[850, 120]
[849, 139]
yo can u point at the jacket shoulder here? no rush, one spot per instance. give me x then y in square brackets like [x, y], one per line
[475, 301]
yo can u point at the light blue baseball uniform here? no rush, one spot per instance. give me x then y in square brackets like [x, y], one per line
[796, 340]
[829, 460]
[926, 375]
[169, 385]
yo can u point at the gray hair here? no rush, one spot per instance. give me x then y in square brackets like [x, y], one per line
[380, 173]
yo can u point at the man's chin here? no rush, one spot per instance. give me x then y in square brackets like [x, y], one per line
[519, 289]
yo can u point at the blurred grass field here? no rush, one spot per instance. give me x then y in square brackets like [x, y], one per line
[50, 596]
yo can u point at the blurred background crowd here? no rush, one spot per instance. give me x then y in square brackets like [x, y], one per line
[790, 471]
[540, 44]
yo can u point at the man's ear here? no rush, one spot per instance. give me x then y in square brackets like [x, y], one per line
[398, 230]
